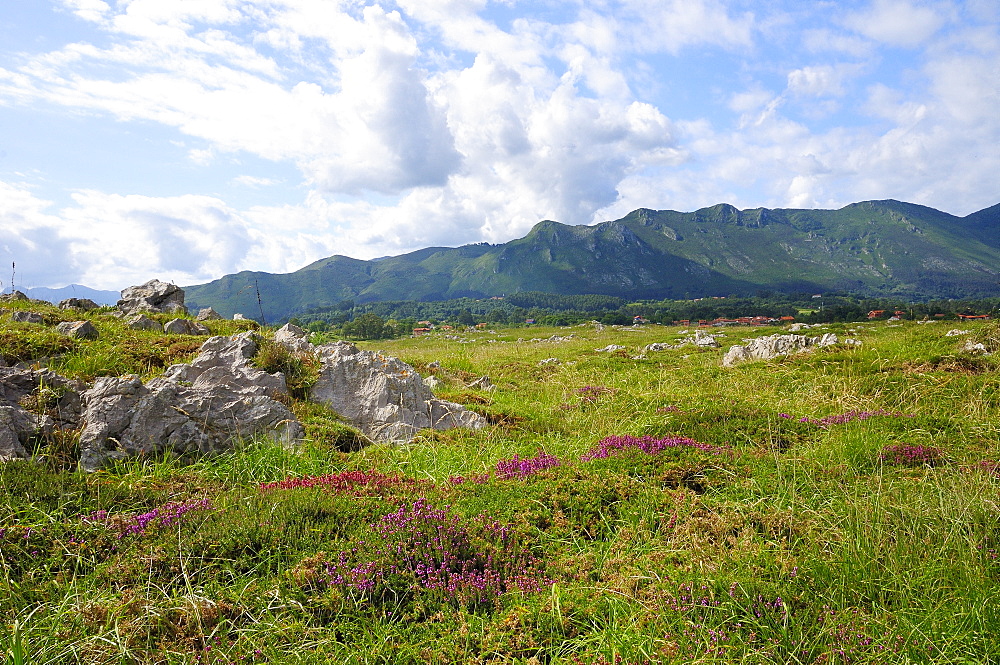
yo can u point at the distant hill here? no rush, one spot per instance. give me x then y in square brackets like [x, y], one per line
[72, 291]
[874, 247]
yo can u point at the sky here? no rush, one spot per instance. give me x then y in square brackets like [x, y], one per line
[188, 139]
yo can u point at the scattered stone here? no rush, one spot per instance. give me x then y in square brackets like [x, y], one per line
[432, 382]
[27, 317]
[610, 348]
[84, 304]
[765, 348]
[185, 327]
[293, 338]
[549, 361]
[383, 396]
[956, 333]
[482, 383]
[13, 296]
[703, 339]
[974, 348]
[434, 364]
[659, 346]
[208, 314]
[78, 329]
[153, 296]
[143, 322]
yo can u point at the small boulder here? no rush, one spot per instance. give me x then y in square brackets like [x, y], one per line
[610, 348]
[293, 338]
[27, 317]
[185, 327]
[143, 322]
[483, 383]
[84, 304]
[208, 314]
[153, 296]
[78, 329]
[383, 396]
[772, 346]
[13, 296]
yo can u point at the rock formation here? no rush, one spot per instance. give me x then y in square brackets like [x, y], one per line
[78, 329]
[85, 304]
[772, 346]
[153, 296]
[383, 396]
[193, 409]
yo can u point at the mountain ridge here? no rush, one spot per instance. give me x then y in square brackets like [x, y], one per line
[885, 247]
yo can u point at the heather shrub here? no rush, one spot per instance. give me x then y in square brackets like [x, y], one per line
[432, 555]
[903, 454]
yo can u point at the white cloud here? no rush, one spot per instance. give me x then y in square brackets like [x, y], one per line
[897, 22]
[254, 181]
[820, 80]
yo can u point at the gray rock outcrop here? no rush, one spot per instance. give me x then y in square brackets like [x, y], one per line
[192, 410]
[383, 396]
[84, 304]
[13, 296]
[56, 403]
[772, 346]
[293, 338]
[27, 317]
[143, 322]
[153, 296]
[185, 327]
[208, 314]
[78, 329]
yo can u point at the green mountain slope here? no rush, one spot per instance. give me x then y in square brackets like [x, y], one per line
[876, 247]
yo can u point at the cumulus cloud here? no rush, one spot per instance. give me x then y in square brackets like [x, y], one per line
[897, 22]
[438, 122]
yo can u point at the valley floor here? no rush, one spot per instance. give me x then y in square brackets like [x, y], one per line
[623, 506]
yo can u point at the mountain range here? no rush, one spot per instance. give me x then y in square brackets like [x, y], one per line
[869, 248]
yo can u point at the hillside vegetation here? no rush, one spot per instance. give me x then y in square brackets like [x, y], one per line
[623, 506]
[874, 248]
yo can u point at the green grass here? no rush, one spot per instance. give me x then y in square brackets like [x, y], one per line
[788, 542]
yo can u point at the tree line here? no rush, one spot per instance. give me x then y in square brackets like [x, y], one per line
[385, 320]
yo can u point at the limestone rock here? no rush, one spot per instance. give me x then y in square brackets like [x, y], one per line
[765, 348]
[143, 322]
[85, 304]
[293, 338]
[192, 410]
[483, 383]
[703, 339]
[78, 329]
[153, 296]
[973, 347]
[185, 327]
[610, 348]
[229, 361]
[19, 427]
[383, 396]
[208, 314]
[27, 317]
[13, 296]
[659, 346]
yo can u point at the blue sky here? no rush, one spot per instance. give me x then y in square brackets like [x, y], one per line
[188, 139]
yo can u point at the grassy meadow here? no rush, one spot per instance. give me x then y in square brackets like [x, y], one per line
[838, 506]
